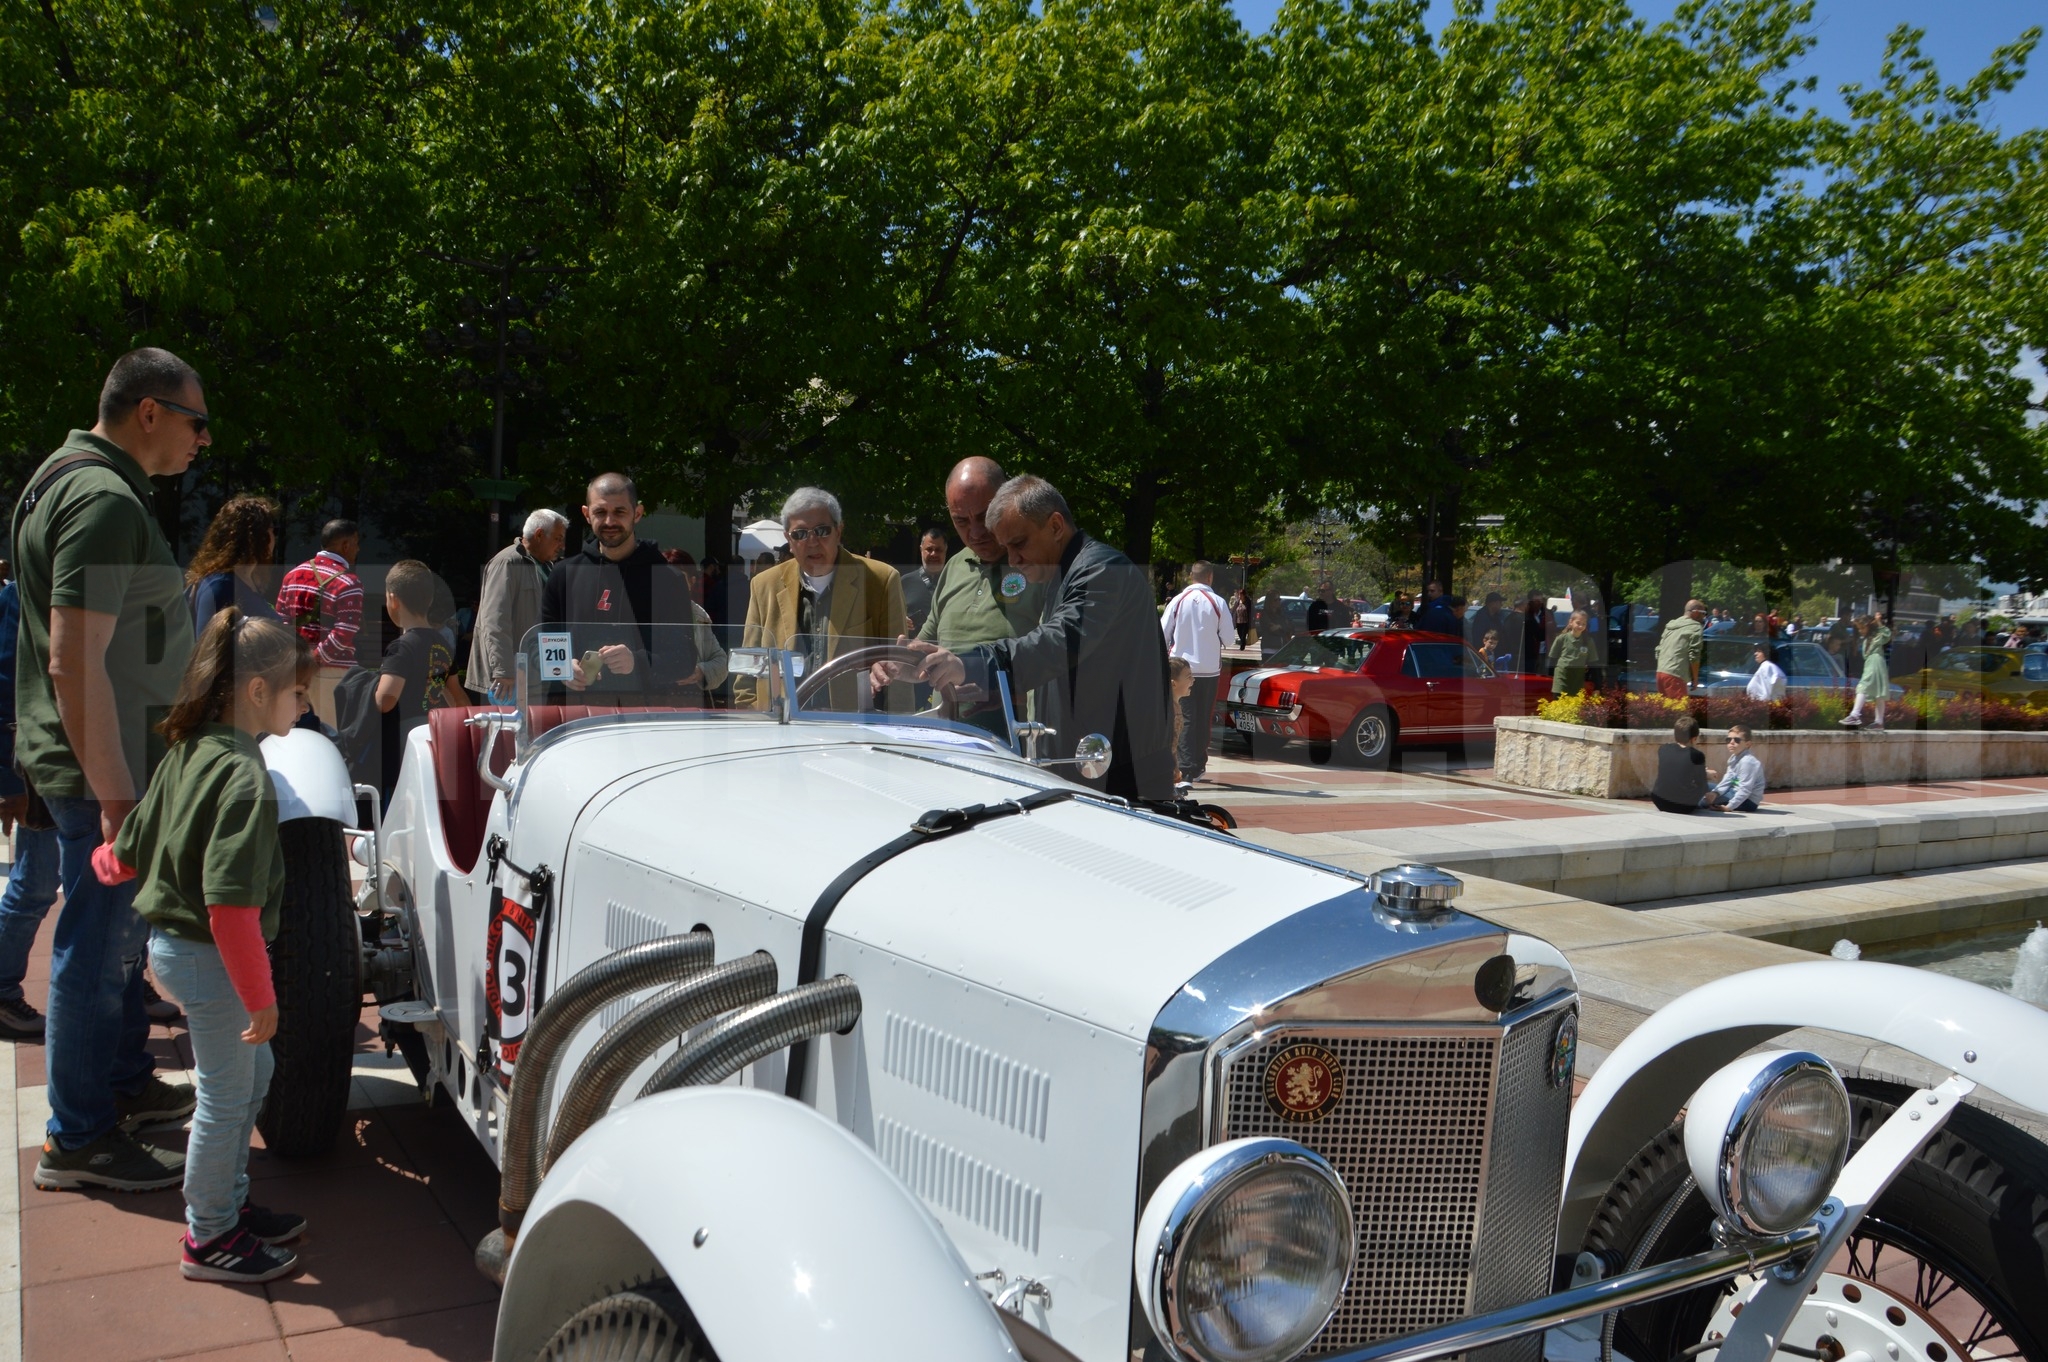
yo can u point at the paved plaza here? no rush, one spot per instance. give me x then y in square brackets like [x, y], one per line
[398, 1207]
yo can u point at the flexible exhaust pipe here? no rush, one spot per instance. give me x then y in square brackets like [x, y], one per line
[647, 965]
[734, 1042]
[644, 1030]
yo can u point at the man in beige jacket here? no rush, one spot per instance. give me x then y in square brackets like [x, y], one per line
[510, 605]
[823, 601]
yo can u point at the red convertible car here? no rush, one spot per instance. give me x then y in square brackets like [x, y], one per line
[1358, 694]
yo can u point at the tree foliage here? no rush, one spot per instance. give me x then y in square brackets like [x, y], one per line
[1620, 284]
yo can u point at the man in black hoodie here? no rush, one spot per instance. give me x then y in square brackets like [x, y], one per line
[613, 594]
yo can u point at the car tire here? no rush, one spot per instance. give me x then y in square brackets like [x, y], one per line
[649, 1323]
[317, 963]
[1369, 741]
[1970, 1211]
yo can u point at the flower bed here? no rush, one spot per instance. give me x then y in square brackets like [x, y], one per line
[1824, 710]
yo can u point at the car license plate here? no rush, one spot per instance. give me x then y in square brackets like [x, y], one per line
[1245, 723]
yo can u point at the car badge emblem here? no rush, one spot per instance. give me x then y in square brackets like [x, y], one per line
[604, 599]
[1564, 1050]
[1013, 585]
[1303, 1082]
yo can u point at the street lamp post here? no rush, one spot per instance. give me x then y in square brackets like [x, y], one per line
[508, 344]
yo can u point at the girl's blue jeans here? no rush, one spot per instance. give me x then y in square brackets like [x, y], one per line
[230, 1074]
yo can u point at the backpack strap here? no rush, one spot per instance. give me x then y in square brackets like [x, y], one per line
[35, 494]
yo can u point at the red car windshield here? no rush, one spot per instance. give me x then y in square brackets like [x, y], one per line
[1323, 650]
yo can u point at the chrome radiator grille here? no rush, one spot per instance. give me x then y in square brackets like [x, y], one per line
[1413, 1136]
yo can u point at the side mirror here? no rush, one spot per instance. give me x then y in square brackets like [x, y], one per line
[751, 661]
[1092, 755]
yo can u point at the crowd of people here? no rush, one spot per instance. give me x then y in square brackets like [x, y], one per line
[139, 694]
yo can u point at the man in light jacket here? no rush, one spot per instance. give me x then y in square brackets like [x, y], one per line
[510, 605]
[1197, 627]
[823, 602]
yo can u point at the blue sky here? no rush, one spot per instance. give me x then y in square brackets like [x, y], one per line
[1960, 37]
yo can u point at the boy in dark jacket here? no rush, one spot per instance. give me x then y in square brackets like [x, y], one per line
[1681, 770]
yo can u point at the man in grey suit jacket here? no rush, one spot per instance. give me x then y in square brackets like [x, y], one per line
[511, 601]
[1096, 662]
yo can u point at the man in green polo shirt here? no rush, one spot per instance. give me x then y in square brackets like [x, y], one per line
[105, 636]
[979, 597]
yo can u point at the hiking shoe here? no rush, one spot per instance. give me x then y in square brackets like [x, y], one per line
[159, 1103]
[1851, 723]
[272, 1227]
[237, 1256]
[156, 1004]
[20, 1021]
[116, 1159]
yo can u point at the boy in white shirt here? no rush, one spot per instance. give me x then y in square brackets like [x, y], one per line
[1769, 682]
[1742, 788]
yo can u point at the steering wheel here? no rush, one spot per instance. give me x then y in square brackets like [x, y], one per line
[859, 660]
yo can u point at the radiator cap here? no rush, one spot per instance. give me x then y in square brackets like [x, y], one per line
[1416, 893]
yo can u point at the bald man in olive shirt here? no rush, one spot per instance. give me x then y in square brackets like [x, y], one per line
[978, 598]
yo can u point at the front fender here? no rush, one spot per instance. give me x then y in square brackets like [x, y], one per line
[1993, 1039]
[810, 1246]
[310, 776]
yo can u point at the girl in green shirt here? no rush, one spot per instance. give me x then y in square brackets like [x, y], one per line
[1570, 656]
[204, 843]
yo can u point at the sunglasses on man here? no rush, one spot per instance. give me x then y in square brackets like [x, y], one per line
[821, 533]
[200, 420]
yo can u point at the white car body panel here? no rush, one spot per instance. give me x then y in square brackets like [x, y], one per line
[828, 1258]
[1990, 1038]
[998, 1034]
[310, 776]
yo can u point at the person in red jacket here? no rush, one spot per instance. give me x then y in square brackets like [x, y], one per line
[204, 844]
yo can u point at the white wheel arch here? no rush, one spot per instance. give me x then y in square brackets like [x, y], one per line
[310, 776]
[810, 1246]
[1994, 1040]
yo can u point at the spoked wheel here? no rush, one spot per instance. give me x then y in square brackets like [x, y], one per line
[1369, 742]
[648, 1324]
[1948, 1265]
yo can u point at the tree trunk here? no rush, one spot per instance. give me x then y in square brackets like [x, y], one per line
[1141, 517]
[1674, 589]
[1444, 563]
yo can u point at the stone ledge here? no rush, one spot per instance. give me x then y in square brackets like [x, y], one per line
[1621, 763]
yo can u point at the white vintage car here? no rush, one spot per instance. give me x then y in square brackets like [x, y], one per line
[858, 1034]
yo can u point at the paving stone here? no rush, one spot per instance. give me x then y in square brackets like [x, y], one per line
[458, 1335]
[139, 1315]
[1659, 854]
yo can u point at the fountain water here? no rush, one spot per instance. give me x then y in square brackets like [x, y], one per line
[1845, 949]
[2030, 974]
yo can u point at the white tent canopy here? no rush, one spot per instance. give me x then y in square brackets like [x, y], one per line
[763, 536]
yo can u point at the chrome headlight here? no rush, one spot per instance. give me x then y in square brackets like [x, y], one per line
[1766, 1137]
[1243, 1252]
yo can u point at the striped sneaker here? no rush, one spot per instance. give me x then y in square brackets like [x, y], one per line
[237, 1256]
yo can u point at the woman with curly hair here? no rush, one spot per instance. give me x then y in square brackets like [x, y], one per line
[229, 568]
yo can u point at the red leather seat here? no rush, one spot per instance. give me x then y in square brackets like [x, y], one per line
[465, 799]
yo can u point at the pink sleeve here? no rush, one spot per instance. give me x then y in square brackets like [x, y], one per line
[238, 932]
[108, 868]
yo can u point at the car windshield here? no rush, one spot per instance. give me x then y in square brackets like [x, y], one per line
[584, 672]
[1969, 660]
[1731, 655]
[1340, 651]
